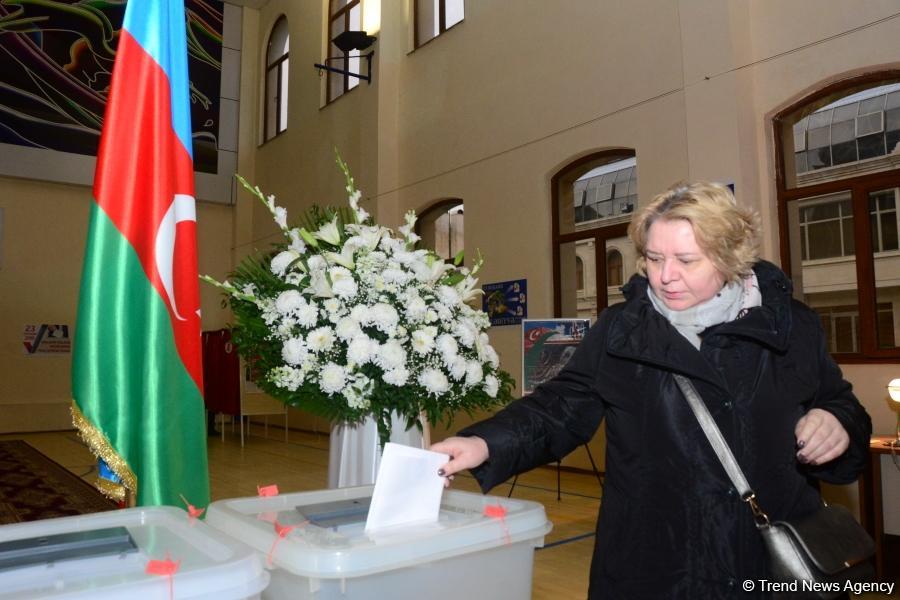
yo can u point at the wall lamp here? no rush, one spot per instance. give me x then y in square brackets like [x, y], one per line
[346, 42]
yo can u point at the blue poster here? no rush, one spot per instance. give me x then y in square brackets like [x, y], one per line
[506, 302]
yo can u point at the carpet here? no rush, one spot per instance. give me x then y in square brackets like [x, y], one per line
[34, 487]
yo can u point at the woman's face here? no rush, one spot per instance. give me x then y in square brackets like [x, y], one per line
[680, 273]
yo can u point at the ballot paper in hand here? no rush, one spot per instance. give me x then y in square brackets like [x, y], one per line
[408, 489]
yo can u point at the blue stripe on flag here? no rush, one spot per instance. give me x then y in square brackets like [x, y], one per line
[159, 26]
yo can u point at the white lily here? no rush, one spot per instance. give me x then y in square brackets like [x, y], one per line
[319, 285]
[329, 233]
[344, 258]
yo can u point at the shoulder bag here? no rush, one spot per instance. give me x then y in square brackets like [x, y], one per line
[824, 549]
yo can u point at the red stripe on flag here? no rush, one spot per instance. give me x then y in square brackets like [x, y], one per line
[141, 166]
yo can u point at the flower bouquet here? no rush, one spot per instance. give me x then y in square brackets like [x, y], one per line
[346, 319]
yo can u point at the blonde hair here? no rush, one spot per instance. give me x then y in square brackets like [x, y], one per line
[727, 233]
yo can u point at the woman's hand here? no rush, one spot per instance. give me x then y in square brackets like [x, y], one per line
[820, 437]
[465, 453]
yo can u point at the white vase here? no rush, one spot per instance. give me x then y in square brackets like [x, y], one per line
[354, 453]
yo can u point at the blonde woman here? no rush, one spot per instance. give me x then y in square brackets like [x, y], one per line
[671, 525]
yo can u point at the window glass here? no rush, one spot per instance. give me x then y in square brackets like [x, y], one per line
[883, 210]
[275, 114]
[434, 17]
[441, 228]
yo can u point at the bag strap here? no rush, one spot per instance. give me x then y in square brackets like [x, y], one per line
[720, 446]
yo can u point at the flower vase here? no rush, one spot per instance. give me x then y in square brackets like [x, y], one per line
[354, 451]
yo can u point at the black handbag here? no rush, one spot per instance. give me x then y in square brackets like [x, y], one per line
[813, 556]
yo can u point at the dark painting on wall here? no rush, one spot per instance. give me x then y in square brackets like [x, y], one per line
[56, 59]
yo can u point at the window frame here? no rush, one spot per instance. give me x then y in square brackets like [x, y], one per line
[442, 22]
[859, 187]
[333, 15]
[435, 211]
[276, 64]
[600, 235]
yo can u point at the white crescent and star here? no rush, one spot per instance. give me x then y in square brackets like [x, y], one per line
[182, 209]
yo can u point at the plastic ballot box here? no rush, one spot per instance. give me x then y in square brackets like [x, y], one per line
[317, 547]
[106, 556]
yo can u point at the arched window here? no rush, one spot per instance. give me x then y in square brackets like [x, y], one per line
[276, 102]
[838, 192]
[593, 198]
[344, 15]
[614, 268]
[441, 228]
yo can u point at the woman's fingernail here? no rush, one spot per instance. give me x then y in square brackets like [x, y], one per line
[450, 478]
[800, 443]
[441, 472]
[802, 458]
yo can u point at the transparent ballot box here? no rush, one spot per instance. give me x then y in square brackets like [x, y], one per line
[104, 556]
[317, 547]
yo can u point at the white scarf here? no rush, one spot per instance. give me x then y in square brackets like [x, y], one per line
[723, 307]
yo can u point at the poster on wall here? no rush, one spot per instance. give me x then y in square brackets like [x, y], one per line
[547, 345]
[46, 339]
[505, 302]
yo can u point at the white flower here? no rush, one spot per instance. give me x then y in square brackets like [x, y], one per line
[287, 377]
[474, 373]
[384, 316]
[491, 386]
[347, 328]
[434, 381]
[297, 244]
[280, 214]
[447, 346]
[361, 314]
[465, 331]
[319, 286]
[448, 295]
[390, 355]
[361, 350]
[289, 301]
[332, 378]
[333, 305]
[282, 260]
[320, 339]
[329, 233]
[308, 315]
[422, 341]
[342, 282]
[316, 263]
[490, 355]
[294, 351]
[458, 368]
[398, 376]
[415, 308]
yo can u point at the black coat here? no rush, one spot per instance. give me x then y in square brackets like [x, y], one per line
[671, 524]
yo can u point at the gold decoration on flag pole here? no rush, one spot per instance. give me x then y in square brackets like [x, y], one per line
[101, 448]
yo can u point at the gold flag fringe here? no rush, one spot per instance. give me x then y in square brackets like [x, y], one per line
[101, 448]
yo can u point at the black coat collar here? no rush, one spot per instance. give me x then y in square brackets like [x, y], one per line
[638, 332]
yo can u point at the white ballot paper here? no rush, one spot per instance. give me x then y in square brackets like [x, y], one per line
[408, 489]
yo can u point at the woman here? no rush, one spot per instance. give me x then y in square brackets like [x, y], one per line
[671, 524]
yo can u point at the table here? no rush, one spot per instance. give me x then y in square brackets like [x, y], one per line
[870, 499]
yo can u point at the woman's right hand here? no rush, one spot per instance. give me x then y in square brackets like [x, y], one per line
[465, 453]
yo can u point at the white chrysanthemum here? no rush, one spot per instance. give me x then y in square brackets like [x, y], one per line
[447, 346]
[390, 355]
[361, 350]
[308, 315]
[434, 381]
[347, 328]
[319, 339]
[384, 316]
[491, 356]
[361, 314]
[458, 368]
[474, 374]
[319, 286]
[342, 282]
[398, 376]
[316, 263]
[448, 295]
[422, 341]
[333, 378]
[465, 331]
[333, 305]
[430, 316]
[288, 301]
[294, 351]
[491, 386]
[415, 308]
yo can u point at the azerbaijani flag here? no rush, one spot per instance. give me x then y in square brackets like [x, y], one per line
[136, 374]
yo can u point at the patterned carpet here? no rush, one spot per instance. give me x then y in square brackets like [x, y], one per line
[33, 487]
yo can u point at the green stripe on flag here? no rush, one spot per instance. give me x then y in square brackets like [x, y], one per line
[128, 379]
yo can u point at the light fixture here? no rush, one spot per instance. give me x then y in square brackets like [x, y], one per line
[346, 41]
[894, 393]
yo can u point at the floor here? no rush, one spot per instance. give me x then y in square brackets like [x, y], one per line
[560, 568]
